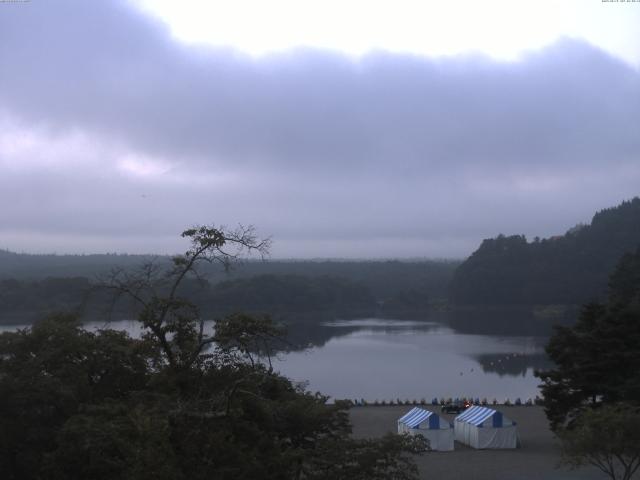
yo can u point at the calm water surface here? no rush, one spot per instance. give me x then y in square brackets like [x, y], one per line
[390, 359]
[387, 359]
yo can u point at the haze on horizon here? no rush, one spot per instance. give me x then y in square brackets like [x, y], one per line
[117, 130]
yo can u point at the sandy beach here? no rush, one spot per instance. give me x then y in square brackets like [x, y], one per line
[537, 459]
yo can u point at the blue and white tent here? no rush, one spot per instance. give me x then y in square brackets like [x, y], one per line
[437, 430]
[482, 427]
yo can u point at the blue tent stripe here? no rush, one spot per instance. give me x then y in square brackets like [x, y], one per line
[468, 413]
[497, 420]
[475, 415]
[417, 418]
[408, 414]
[414, 417]
[434, 422]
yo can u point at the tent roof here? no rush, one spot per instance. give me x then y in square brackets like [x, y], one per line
[475, 415]
[415, 417]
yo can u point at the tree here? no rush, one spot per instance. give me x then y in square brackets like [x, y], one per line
[598, 359]
[178, 403]
[383, 459]
[172, 323]
[114, 440]
[607, 438]
[567, 269]
[250, 335]
[47, 373]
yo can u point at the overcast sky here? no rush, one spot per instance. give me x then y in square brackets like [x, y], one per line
[118, 130]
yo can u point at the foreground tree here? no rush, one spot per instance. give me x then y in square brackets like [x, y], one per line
[181, 402]
[386, 458]
[598, 359]
[607, 438]
[592, 397]
[48, 374]
[171, 322]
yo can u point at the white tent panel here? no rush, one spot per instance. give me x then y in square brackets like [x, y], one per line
[438, 431]
[482, 427]
[439, 440]
[506, 437]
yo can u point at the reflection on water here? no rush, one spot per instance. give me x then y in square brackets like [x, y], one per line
[452, 354]
[382, 323]
[513, 363]
[449, 355]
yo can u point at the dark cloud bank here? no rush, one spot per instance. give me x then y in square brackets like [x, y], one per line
[132, 136]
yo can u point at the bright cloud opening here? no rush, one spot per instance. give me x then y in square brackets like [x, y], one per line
[501, 29]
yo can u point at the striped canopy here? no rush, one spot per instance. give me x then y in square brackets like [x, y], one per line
[476, 415]
[415, 417]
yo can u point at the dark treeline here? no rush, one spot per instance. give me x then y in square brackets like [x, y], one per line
[24, 301]
[294, 297]
[290, 293]
[384, 278]
[331, 288]
[28, 266]
[568, 269]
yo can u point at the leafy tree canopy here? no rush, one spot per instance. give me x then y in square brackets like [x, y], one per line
[181, 402]
[598, 359]
[607, 438]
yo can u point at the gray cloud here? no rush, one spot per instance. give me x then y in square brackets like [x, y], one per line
[385, 155]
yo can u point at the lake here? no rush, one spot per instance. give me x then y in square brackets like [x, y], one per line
[386, 359]
[378, 359]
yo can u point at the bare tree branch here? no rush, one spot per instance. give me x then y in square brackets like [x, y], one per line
[175, 323]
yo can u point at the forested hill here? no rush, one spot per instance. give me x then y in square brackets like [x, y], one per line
[569, 269]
